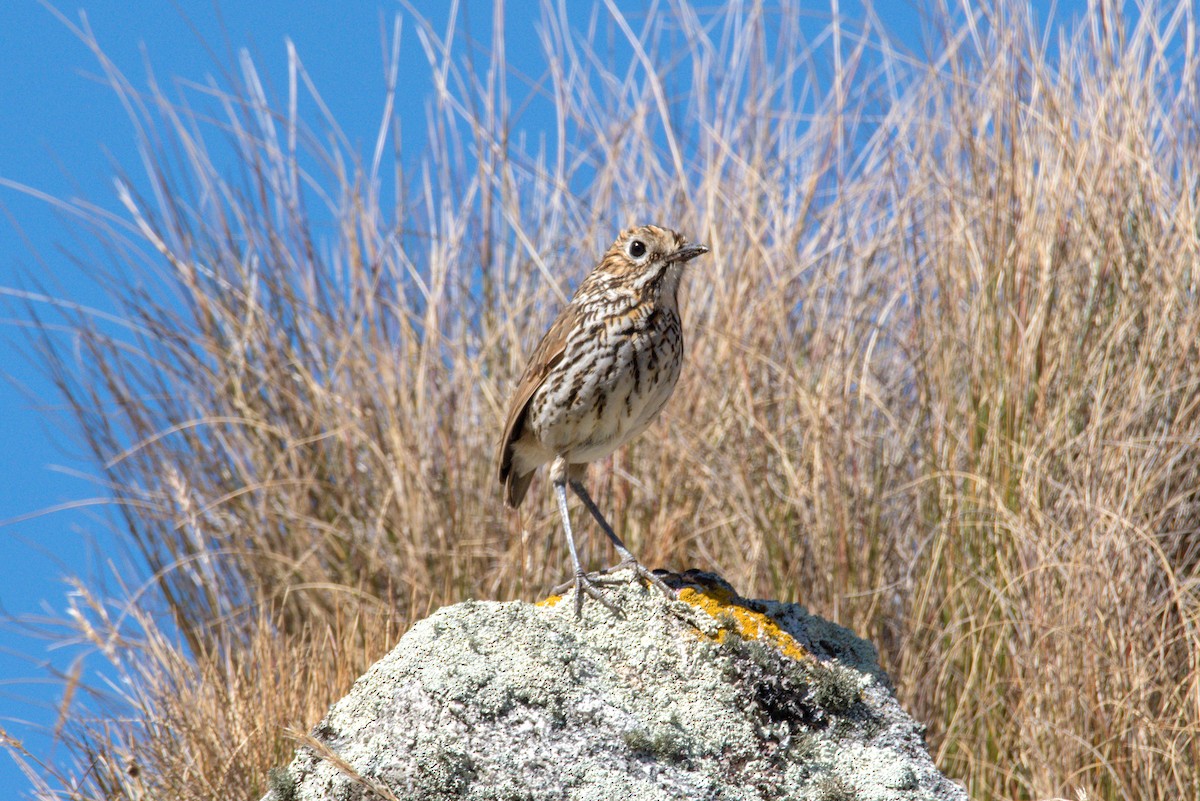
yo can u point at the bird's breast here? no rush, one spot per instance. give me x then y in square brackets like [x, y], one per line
[614, 377]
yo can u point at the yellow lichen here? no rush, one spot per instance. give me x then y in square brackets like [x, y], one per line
[549, 600]
[750, 625]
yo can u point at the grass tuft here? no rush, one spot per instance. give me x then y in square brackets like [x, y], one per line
[942, 383]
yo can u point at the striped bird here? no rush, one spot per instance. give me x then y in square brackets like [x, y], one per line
[597, 379]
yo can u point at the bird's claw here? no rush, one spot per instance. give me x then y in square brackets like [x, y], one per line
[586, 584]
[639, 571]
[589, 583]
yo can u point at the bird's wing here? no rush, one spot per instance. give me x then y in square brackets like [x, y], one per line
[547, 354]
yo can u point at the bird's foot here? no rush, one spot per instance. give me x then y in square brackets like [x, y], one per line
[640, 572]
[586, 584]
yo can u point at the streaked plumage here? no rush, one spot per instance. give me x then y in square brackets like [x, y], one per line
[601, 374]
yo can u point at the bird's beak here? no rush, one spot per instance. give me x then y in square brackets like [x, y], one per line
[688, 252]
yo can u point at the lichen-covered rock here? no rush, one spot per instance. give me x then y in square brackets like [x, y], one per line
[707, 697]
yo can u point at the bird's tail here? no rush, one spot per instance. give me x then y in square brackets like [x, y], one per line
[515, 486]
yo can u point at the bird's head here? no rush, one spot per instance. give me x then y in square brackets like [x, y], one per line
[648, 256]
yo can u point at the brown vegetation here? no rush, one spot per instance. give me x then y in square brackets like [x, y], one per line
[943, 381]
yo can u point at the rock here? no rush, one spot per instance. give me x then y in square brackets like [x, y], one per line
[708, 697]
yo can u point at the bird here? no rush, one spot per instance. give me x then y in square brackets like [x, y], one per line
[599, 376]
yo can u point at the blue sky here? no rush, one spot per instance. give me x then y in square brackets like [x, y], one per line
[61, 132]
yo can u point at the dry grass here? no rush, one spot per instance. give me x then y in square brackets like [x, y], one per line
[949, 394]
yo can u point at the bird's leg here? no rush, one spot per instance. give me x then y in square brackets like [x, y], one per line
[581, 582]
[627, 558]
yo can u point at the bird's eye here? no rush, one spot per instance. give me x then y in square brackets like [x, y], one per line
[637, 249]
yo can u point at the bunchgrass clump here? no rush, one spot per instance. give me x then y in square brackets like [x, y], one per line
[942, 383]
